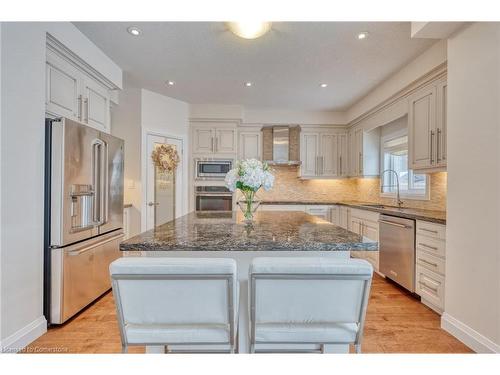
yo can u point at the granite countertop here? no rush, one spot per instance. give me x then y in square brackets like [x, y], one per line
[227, 231]
[408, 213]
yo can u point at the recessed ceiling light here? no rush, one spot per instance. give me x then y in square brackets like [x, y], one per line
[363, 35]
[249, 29]
[323, 85]
[170, 83]
[248, 84]
[135, 31]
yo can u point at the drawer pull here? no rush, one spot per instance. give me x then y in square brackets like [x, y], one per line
[429, 263]
[428, 287]
[428, 246]
[429, 230]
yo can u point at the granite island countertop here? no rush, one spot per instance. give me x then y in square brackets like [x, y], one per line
[404, 212]
[227, 231]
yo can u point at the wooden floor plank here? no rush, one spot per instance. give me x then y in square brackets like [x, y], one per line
[396, 322]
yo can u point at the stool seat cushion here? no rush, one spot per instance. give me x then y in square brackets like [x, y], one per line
[309, 332]
[168, 266]
[177, 333]
[310, 265]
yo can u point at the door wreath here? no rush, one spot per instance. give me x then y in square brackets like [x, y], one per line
[165, 158]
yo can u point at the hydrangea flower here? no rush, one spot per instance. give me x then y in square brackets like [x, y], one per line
[249, 175]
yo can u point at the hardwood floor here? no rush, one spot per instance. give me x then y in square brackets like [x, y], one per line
[395, 323]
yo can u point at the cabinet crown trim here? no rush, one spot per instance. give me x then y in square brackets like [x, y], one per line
[64, 52]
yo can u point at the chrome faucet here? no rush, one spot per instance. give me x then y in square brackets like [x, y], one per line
[398, 198]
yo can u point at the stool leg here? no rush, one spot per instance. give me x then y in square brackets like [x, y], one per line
[322, 347]
[357, 348]
[124, 348]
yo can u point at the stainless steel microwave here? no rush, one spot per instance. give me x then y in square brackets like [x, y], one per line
[213, 169]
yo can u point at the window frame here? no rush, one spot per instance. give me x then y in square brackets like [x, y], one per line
[406, 194]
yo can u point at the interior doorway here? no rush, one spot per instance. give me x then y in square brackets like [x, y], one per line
[164, 191]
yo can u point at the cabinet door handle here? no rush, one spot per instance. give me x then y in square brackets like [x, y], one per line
[212, 144]
[428, 286]
[438, 136]
[340, 165]
[429, 230]
[322, 165]
[428, 246]
[86, 102]
[80, 107]
[216, 144]
[360, 168]
[429, 263]
[432, 137]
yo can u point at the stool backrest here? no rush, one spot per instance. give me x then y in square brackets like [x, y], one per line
[150, 291]
[309, 290]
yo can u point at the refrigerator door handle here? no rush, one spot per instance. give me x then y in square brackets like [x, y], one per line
[97, 180]
[105, 184]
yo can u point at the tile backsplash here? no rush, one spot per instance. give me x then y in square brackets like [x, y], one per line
[288, 187]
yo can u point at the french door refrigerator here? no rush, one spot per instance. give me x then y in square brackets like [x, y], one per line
[83, 215]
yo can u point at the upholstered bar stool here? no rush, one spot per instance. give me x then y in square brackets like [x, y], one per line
[186, 302]
[308, 300]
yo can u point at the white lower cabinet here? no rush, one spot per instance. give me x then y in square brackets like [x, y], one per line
[322, 212]
[430, 264]
[282, 207]
[365, 223]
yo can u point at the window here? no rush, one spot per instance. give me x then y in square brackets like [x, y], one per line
[395, 157]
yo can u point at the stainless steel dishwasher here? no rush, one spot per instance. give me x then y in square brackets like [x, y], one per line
[397, 250]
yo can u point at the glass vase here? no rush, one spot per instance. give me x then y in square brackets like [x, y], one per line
[248, 205]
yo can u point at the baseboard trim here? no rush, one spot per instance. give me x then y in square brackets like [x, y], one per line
[470, 337]
[26, 335]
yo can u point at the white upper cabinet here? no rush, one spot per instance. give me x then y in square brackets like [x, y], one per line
[63, 92]
[96, 104]
[209, 139]
[323, 154]
[250, 146]
[328, 157]
[72, 93]
[427, 126]
[309, 151]
[225, 140]
[203, 140]
[364, 152]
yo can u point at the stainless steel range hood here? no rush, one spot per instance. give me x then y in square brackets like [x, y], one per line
[281, 145]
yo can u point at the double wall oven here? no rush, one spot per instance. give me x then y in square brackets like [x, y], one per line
[209, 194]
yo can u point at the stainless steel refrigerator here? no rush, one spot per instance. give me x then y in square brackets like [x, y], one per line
[83, 215]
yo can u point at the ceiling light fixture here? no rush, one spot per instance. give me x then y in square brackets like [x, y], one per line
[363, 35]
[249, 29]
[323, 85]
[135, 31]
[170, 83]
[248, 84]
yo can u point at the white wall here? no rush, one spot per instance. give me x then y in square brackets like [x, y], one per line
[168, 116]
[126, 124]
[139, 111]
[22, 150]
[472, 295]
[286, 116]
[430, 59]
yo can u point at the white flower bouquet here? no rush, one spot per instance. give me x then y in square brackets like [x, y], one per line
[249, 176]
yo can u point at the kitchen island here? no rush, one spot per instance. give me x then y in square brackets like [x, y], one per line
[226, 234]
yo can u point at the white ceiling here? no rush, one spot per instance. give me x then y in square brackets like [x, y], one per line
[210, 65]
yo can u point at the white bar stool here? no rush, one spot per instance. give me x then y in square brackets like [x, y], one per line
[307, 301]
[176, 301]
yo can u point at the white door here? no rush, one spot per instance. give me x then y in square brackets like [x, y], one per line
[163, 190]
